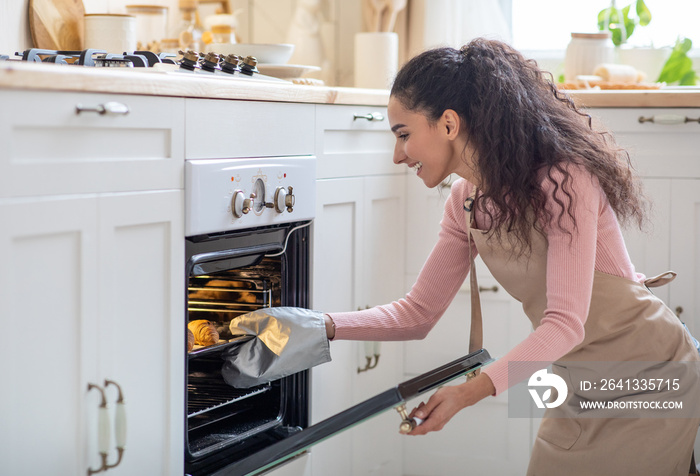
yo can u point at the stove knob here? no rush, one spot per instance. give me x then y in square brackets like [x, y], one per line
[237, 204]
[248, 203]
[280, 198]
[284, 199]
[289, 200]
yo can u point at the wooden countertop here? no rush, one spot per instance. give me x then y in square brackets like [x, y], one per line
[42, 76]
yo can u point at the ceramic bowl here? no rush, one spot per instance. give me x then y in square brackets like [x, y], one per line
[278, 53]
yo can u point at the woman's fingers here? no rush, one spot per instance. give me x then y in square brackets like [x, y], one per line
[413, 412]
[439, 409]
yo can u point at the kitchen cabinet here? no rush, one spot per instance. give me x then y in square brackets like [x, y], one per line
[115, 143]
[498, 445]
[666, 154]
[88, 287]
[91, 299]
[667, 158]
[359, 237]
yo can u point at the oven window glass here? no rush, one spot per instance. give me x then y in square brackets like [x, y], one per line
[221, 297]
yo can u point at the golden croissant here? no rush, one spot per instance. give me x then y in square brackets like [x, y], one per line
[204, 332]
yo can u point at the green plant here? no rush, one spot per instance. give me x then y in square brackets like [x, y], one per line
[619, 22]
[679, 68]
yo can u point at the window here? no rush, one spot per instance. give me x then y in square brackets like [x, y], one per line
[540, 25]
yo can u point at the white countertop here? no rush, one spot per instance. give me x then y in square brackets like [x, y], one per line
[44, 76]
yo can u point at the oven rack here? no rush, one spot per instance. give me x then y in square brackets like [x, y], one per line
[210, 394]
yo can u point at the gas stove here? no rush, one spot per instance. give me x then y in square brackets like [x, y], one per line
[188, 62]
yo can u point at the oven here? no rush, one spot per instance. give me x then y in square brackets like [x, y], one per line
[248, 246]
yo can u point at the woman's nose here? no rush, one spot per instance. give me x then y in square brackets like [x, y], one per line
[399, 155]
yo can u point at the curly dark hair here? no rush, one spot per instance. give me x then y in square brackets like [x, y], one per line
[520, 126]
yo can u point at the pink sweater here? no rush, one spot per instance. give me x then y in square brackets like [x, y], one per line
[595, 244]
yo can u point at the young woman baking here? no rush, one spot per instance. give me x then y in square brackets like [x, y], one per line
[539, 199]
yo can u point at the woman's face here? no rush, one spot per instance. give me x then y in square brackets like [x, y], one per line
[433, 151]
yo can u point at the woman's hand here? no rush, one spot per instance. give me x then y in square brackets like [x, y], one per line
[447, 401]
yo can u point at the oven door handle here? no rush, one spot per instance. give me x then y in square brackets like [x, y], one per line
[211, 262]
[395, 397]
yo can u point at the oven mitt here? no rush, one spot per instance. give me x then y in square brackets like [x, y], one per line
[283, 341]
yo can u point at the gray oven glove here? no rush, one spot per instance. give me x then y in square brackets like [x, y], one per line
[283, 341]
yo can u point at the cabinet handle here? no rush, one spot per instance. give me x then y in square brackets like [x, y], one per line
[103, 430]
[372, 116]
[119, 423]
[111, 108]
[372, 351]
[493, 289]
[668, 119]
[679, 311]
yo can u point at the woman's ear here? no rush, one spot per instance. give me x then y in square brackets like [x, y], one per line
[451, 123]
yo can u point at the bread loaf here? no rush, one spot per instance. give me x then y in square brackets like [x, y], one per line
[618, 73]
[190, 340]
[204, 332]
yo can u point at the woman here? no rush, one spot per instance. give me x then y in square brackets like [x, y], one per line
[539, 199]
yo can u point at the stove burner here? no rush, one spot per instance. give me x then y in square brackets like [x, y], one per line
[95, 57]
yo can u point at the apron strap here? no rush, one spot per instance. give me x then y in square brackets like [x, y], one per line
[660, 280]
[476, 331]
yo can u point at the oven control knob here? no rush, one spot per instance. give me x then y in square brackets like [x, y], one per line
[284, 199]
[249, 203]
[238, 205]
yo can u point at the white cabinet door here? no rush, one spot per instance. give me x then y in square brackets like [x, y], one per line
[338, 229]
[358, 263]
[377, 442]
[141, 322]
[649, 249]
[89, 286]
[685, 251]
[49, 310]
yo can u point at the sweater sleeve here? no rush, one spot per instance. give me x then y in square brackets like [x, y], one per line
[571, 257]
[438, 282]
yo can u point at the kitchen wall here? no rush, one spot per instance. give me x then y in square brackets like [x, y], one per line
[260, 21]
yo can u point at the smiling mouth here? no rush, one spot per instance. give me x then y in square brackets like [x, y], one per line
[417, 166]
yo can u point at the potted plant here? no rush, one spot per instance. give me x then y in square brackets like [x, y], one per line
[669, 65]
[620, 23]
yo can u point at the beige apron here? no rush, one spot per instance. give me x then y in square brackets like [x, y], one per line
[626, 322]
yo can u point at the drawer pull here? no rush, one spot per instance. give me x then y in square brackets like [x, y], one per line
[111, 108]
[372, 116]
[668, 119]
[493, 289]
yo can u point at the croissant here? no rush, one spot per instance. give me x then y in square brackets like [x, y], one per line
[204, 332]
[190, 340]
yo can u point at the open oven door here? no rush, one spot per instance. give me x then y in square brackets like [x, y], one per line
[297, 443]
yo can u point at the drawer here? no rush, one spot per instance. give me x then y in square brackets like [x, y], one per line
[348, 144]
[50, 148]
[656, 149]
[226, 129]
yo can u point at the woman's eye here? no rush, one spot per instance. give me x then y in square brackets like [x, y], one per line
[402, 136]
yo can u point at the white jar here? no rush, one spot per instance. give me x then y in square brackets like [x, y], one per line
[110, 32]
[585, 52]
